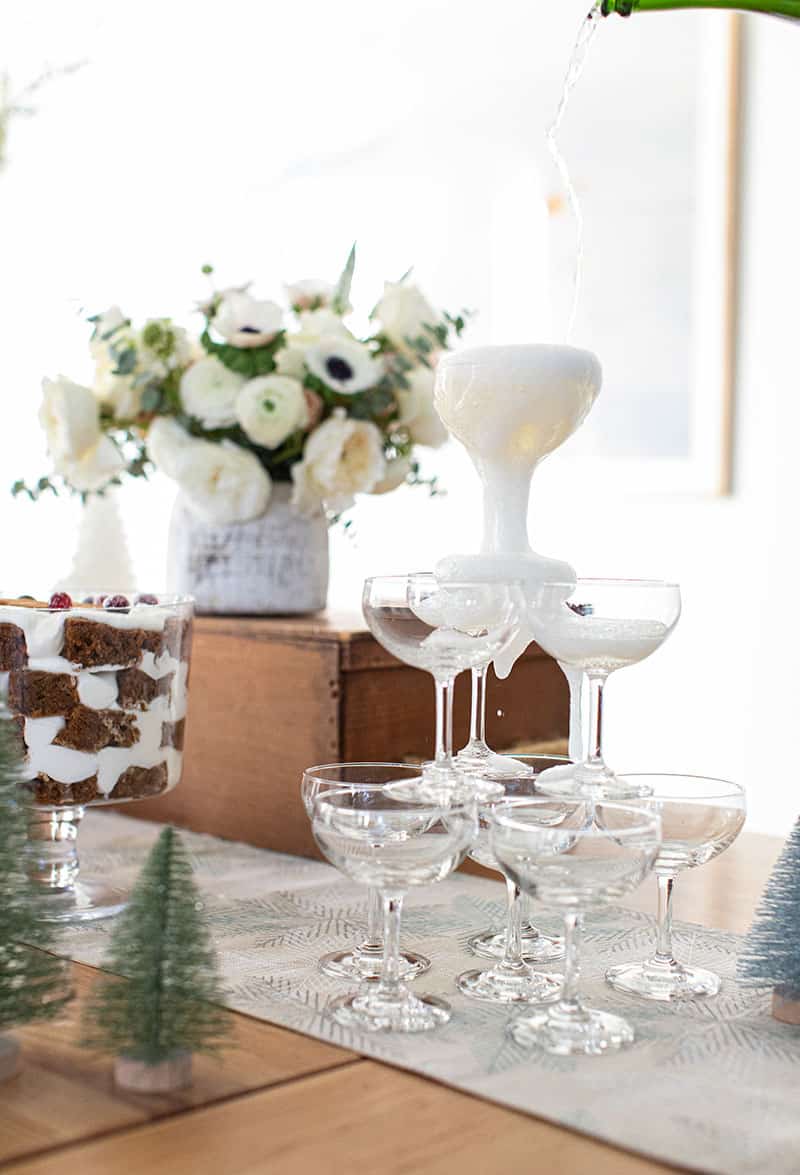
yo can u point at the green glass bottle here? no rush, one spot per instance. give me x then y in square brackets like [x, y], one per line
[790, 8]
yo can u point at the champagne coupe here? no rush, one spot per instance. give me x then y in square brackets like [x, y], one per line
[365, 960]
[599, 626]
[477, 756]
[444, 628]
[391, 844]
[534, 945]
[573, 855]
[700, 819]
[511, 980]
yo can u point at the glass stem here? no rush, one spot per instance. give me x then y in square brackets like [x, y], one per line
[373, 943]
[51, 855]
[512, 955]
[477, 715]
[390, 976]
[664, 956]
[444, 722]
[596, 683]
[570, 1004]
[575, 681]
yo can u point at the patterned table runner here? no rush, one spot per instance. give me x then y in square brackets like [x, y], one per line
[713, 1086]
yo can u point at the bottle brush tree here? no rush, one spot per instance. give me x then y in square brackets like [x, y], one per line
[771, 952]
[166, 1003]
[34, 984]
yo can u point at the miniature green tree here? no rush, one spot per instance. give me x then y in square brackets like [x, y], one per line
[161, 946]
[34, 984]
[771, 955]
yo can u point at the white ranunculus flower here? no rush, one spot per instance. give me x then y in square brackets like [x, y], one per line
[396, 473]
[209, 390]
[223, 483]
[69, 418]
[417, 411]
[403, 313]
[343, 364]
[243, 321]
[270, 408]
[309, 293]
[342, 457]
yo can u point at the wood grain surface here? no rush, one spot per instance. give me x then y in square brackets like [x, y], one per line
[282, 1103]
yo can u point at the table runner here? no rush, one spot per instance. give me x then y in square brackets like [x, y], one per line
[713, 1086]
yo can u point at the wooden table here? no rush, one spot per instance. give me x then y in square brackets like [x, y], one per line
[283, 1103]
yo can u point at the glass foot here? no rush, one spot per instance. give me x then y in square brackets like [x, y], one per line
[373, 1012]
[356, 964]
[590, 1034]
[582, 780]
[536, 946]
[663, 981]
[438, 785]
[477, 757]
[86, 901]
[496, 986]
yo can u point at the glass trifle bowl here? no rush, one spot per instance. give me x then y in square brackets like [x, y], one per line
[98, 690]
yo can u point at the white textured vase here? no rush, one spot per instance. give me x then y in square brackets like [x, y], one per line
[275, 564]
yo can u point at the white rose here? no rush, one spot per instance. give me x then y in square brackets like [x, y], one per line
[309, 294]
[121, 393]
[223, 483]
[270, 408]
[95, 468]
[209, 390]
[69, 418]
[396, 473]
[344, 365]
[417, 411]
[342, 457]
[403, 313]
[243, 321]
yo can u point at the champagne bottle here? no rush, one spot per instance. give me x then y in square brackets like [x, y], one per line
[789, 8]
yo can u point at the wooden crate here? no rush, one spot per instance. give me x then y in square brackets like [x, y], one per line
[271, 696]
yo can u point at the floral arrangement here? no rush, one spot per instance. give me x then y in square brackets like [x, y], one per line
[254, 401]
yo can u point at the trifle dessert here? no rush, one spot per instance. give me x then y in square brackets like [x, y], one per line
[98, 688]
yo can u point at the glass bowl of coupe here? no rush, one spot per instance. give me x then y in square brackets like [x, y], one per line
[97, 689]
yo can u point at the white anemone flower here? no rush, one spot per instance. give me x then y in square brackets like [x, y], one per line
[344, 365]
[243, 321]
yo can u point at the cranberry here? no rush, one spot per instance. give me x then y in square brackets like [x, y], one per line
[60, 600]
[146, 598]
[116, 602]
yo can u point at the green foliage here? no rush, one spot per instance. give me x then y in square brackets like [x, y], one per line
[247, 361]
[340, 302]
[34, 984]
[42, 486]
[160, 945]
[771, 952]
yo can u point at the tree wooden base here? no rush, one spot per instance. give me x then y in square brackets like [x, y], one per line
[786, 1008]
[9, 1057]
[164, 1077]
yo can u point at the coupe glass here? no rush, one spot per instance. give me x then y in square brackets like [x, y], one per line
[574, 855]
[534, 945]
[99, 694]
[700, 819]
[365, 960]
[477, 756]
[391, 844]
[443, 628]
[599, 626]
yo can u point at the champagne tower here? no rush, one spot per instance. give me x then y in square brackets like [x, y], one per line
[788, 8]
